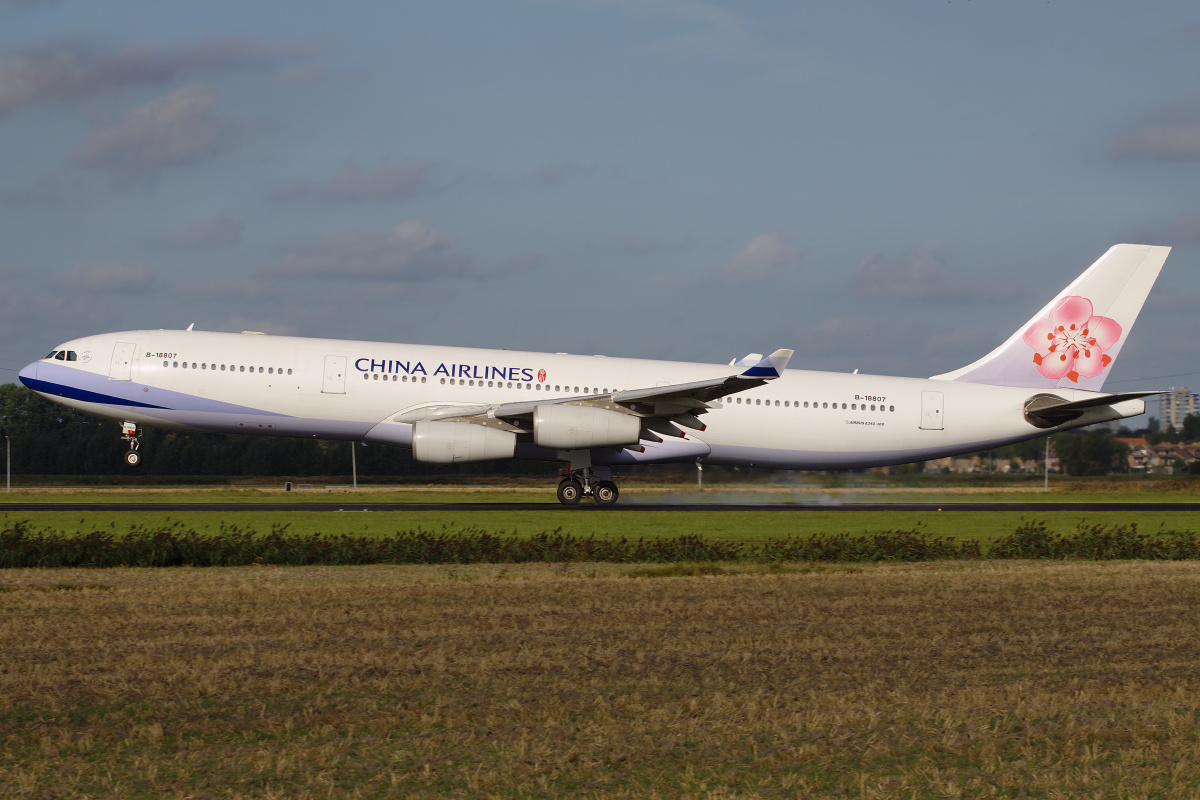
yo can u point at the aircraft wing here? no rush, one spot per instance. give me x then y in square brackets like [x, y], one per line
[661, 407]
[691, 397]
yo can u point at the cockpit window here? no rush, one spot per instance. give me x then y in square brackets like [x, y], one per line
[71, 355]
[62, 356]
[52, 354]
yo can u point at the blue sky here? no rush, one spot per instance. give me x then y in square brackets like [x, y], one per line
[881, 186]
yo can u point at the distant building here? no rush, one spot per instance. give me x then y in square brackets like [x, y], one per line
[1159, 458]
[1175, 405]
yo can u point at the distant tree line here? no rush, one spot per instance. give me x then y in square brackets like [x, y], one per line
[48, 439]
[1099, 452]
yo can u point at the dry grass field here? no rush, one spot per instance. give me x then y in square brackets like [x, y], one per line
[986, 679]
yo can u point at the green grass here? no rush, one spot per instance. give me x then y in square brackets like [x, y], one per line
[979, 526]
[794, 488]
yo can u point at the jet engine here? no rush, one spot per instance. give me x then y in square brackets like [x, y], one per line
[566, 427]
[458, 442]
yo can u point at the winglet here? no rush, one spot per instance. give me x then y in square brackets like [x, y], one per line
[770, 367]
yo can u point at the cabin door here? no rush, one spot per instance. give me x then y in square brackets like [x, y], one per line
[122, 362]
[931, 411]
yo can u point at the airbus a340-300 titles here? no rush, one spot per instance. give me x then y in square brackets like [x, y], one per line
[453, 405]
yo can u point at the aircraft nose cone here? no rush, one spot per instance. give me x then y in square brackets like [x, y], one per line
[29, 373]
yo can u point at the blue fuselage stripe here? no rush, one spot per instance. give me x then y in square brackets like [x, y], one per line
[72, 393]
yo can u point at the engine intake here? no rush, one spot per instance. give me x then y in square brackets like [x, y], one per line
[565, 427]
[460, 442]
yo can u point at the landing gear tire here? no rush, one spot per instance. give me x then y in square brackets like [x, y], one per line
[570, 492]
[605, 493]
[133, 458]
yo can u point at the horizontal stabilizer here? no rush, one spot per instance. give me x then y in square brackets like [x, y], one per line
[1049, 411]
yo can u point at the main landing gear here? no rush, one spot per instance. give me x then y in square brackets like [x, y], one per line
[594, 482]
[129, 432]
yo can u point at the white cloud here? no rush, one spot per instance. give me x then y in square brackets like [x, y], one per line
[402, 181]
[764, 255]
[112, 276]
[72, 72]
[411, 251]
[922, 275]
[172, 131]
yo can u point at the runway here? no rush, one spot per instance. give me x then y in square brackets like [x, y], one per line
[586, 507]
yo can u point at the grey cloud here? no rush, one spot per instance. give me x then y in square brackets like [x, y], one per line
[1183, 231]
[112, 276]
[921, 275]
[224, 290]
[411, 251]
[559, 172]
[29, 3]
[716, 33]
[207, 234]
[58, 188]
[652, 245]
[410, 178]
[238, 324]
[71, 72]
[172, 131]
[764, 255]
[1172, 134]
[526, 263]
[1167, 298]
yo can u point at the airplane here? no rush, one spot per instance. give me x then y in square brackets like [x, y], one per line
[453, 405]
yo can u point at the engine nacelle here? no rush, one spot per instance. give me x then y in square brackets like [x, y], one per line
[564, 427]
[459, 442]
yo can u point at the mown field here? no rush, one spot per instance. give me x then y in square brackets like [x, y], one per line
[953, 679]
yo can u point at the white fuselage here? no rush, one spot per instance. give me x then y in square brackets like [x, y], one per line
[351, 390]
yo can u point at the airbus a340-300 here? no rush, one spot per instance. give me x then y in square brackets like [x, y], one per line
[453, 405]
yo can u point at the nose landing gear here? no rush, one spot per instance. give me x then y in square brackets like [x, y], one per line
[129, 432]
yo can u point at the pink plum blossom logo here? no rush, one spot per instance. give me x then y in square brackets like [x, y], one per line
[1071, 341]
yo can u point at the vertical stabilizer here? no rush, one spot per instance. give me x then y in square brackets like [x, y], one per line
[1074, 340]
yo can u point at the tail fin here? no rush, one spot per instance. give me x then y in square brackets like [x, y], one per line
[1072, 342]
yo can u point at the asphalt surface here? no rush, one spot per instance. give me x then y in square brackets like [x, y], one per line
[589, 506]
